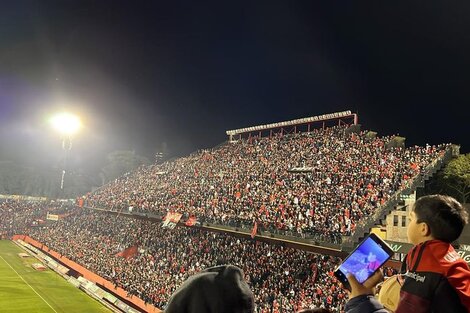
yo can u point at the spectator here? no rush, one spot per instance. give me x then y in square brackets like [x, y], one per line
[216, 289]
[437, 279]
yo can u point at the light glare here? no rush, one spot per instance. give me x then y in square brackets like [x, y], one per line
[66, 123]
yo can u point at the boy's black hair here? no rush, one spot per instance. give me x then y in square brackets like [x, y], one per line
[444, 215]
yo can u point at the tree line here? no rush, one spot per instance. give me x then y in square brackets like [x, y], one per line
[22, 179]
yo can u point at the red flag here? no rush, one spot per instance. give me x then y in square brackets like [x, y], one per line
[128, 253]
[167, 216]
[191, 221]
[171, 219]
[254, 230]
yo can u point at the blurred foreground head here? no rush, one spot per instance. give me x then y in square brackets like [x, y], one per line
[214, 290]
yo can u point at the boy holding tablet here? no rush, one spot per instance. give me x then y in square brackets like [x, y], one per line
[437, 279]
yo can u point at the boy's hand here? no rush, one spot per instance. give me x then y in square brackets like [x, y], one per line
[367, 288]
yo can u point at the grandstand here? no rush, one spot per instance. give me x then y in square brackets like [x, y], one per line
[328, 184]
[284, 201]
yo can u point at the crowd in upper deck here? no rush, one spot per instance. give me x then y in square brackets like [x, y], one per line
[318, 184]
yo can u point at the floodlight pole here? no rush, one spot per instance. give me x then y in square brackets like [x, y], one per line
[66, 146]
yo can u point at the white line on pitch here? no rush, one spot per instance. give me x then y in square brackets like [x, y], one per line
[28, 284]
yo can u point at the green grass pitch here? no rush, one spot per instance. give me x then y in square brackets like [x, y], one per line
[23, 289]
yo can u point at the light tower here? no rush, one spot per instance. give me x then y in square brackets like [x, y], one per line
[66, 124]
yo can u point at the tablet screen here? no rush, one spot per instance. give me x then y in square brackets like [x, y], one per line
[365, 260]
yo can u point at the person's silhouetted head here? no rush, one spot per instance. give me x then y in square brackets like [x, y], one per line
[214, 290]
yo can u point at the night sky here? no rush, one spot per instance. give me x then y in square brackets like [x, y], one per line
[143, 74]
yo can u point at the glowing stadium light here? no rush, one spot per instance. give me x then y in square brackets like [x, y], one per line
[66, 123]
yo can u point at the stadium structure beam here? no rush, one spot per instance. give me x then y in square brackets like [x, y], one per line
[341, 118]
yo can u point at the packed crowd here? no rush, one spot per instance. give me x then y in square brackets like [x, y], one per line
[282, 279]
[318, 184]
[15, 215]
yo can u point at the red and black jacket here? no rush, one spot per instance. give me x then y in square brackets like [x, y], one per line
[437, 280]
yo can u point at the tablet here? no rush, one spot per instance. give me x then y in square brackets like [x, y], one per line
[365, 260]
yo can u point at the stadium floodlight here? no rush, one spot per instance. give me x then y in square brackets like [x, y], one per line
[66, 123]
